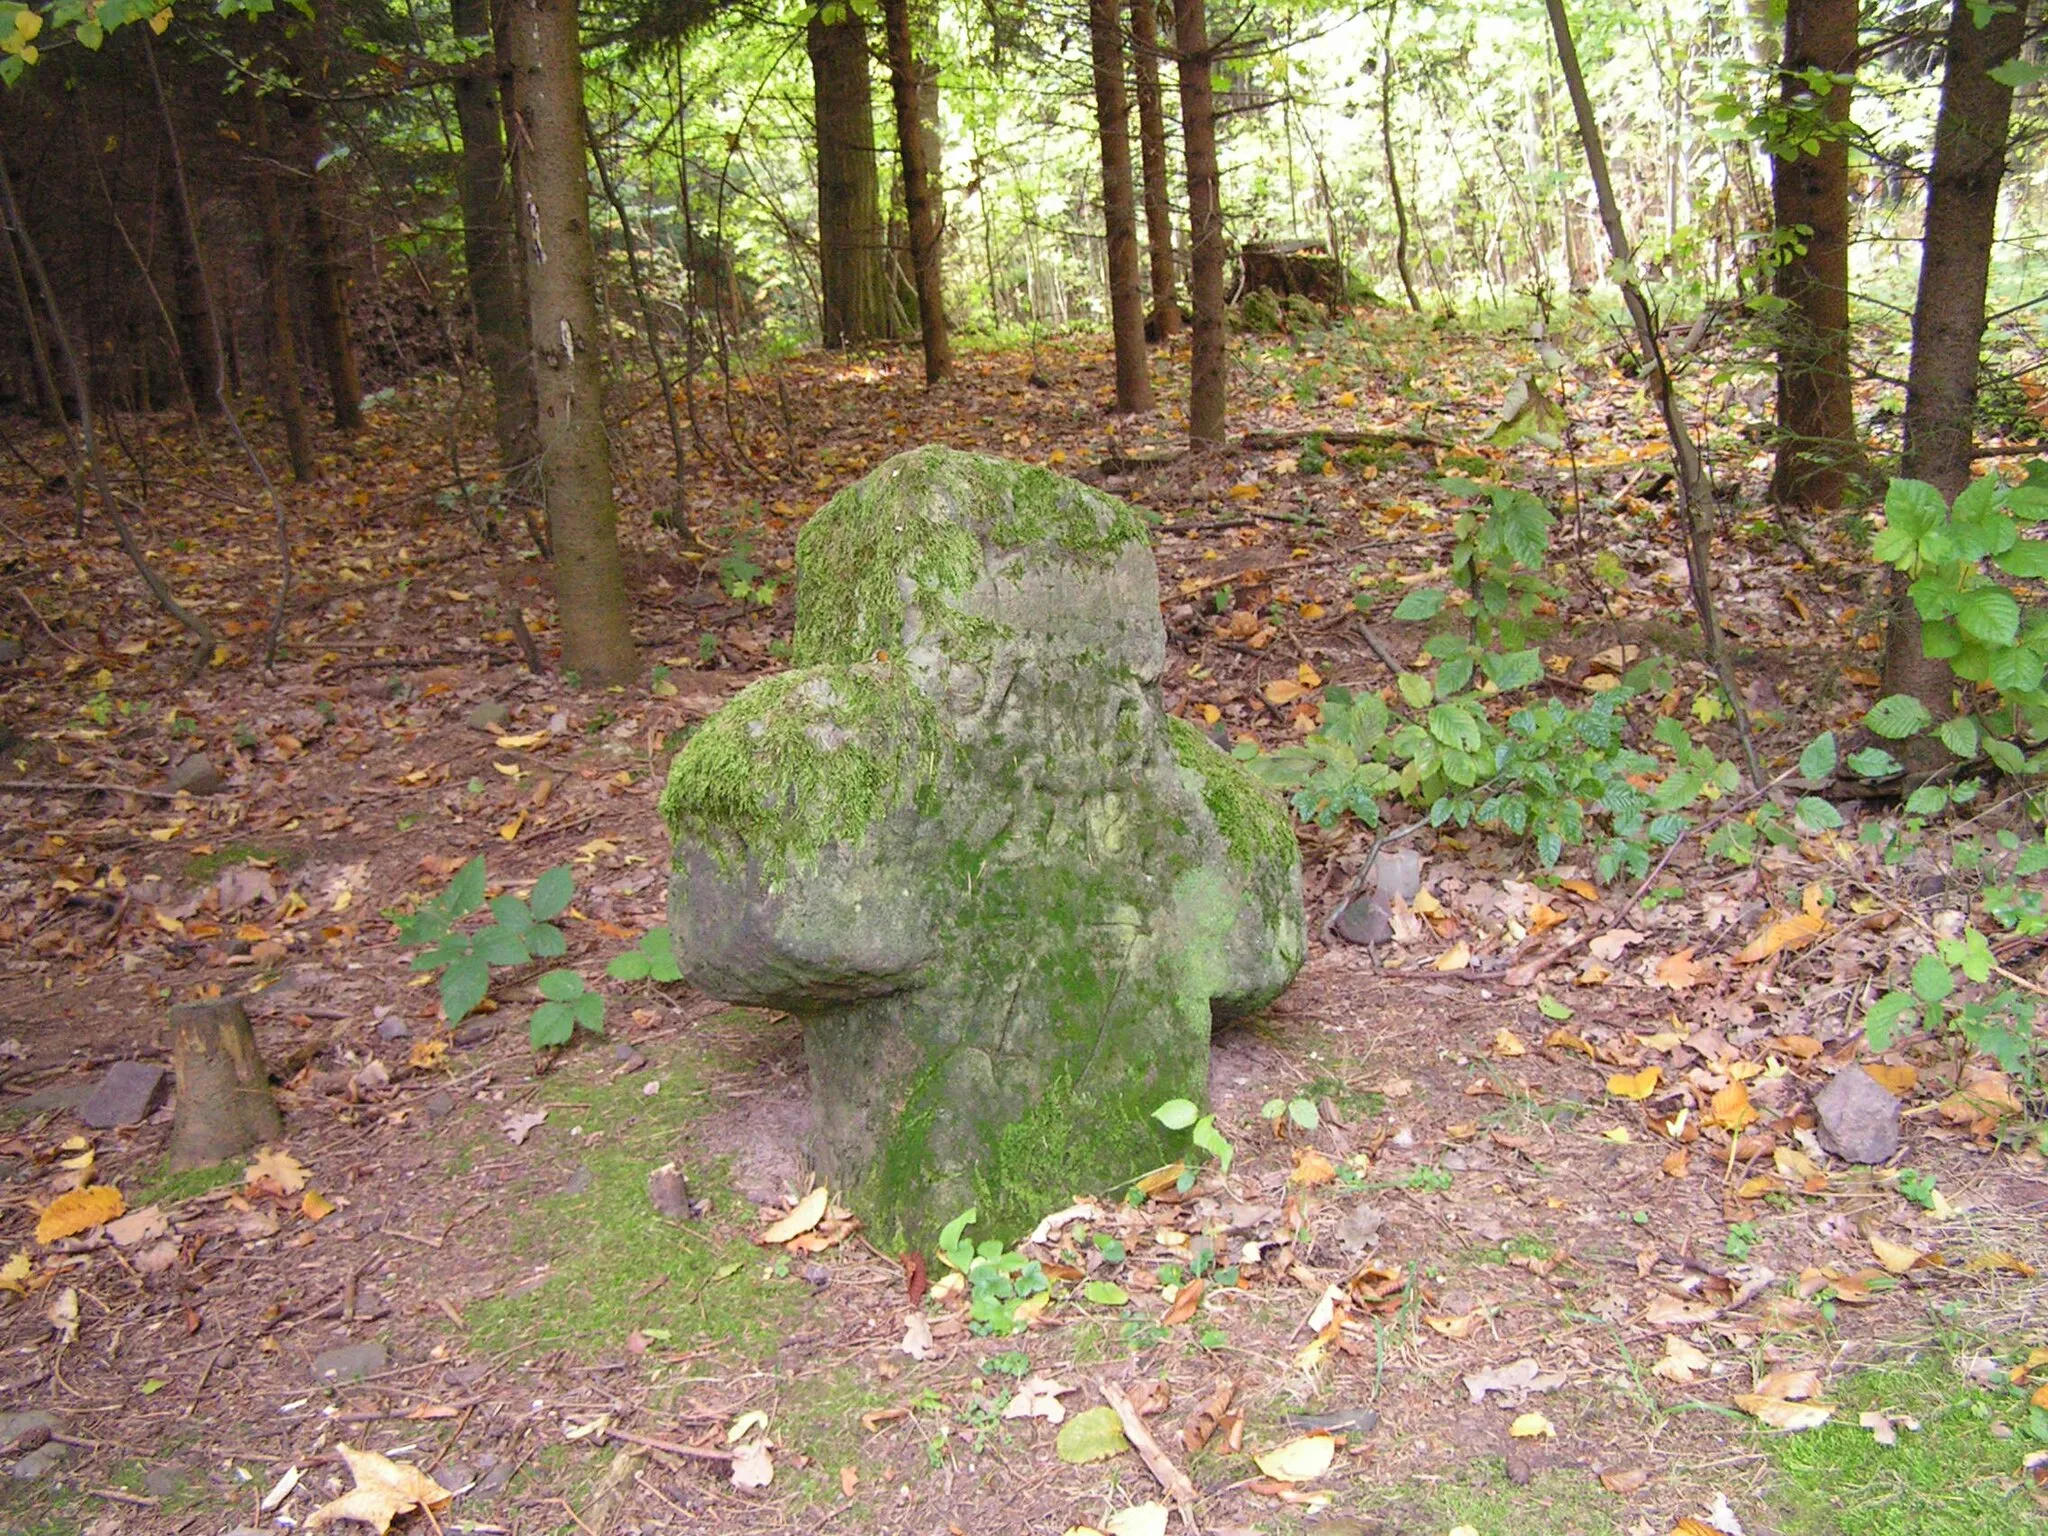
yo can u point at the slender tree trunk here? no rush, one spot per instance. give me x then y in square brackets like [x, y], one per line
[490, 244]
[1119, 207]
[1145, 53]
[327, 271]
[909, 84]
[576, 466]
[47, 394]
[1971, 129]
[852, 275]
[1817, 447]
[1393, 171]
[196, 352]
[283, 349]
[1207, 372]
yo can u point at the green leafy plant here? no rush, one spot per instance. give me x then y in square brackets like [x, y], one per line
[1185, 1115]
[652, 959]
[998, 1278]
[1497, 560]
[569, 1005]
[1742, 1237]
[1299, 1110]
[520, 932]
[1949, 993]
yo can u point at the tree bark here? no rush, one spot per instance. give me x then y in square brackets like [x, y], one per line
[224, 1103]
[1393, 172]
[47, 394]
[1145, 53]
[909, 83]
[1119, 207]
[576, 466]
[490, 244]
[1207, 377]
[327, 271]
[1817, 447]
[1971, 129]
[852, 276]
[283, 348]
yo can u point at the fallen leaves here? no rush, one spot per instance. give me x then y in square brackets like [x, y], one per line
[275, 1171]
[384, 1489]
[1038, 1397]
[1786, 1399]
[1092, 1435]
[1513, 1382]
[79, 1210]
[803, 1216]
[1636, 1085]
[1793, 933]
[1300, 1460]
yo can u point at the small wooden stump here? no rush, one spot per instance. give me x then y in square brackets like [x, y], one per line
[224, 1102]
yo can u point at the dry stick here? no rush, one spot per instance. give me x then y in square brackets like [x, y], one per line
[1157, 1462]
[1695, 490]
[220, 367]
[87, 436]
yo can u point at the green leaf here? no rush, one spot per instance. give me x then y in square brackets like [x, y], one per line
[2027, 560]
[2004, 756]
[1988, 613]
[1176, 1114]
[1551, 1008]
[1815, 814]
[551, 1024]
[1416, 689]
[1212, 1141]
[1927, 800]
[1913, 510]
[463, 986]
[661, 955]
[1513, 669]
[1303, 1113]
[511, 913]
[631, 966]
[1959, 735]
[1874, 763]
[1422, 603]
[1932, 980]
[1883, 1019]
[1898, 715]
[589, 1011]
[546, 941]
[1522, 524]
[551, 892]
[2016, 74]
[562, 986]
[1106, 1293]
[1818, 760]
[465, 892]
[502, 946]
[1093, 1435]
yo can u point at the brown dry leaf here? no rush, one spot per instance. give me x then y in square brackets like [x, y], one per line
[849, 1479]
[1160, 1180]
[425, 1055]
[1543, 917]
[138, 1227]
[1999, 1261]
[752, 1467]
[1676, 1312]
[1595, 974]
[1682, 1363]
[1203, 1423]
[79, 1211]
[1625, 1480]
[1038, 1397]
[803, 1216]
[1803, 1047]
[1680, 971]
[1795, 932]
[1507, 1043]
[1636, 1085]
[1301, 1460]
[274, 1171]
[315, 1206]
[1793, 1386]
[1730, 1108]
[1459, 1327]
[1609, 946]
[1282, 690]
[384, 1490]
[1779, 1414]
[1675, 1161]
[1185, 1300]
[1895, 1257]
[1565, 1040]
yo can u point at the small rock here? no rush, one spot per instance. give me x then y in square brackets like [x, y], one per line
[393, 1028]
[1859, 1120]
[817, 1276]
[163, 1482]
[124, 1096]
[630, 1061]
[488, 717]
[10, 650]
[579, 1180]
[196, 775]
[26, 1431]
[495, 1478]
[41, 1461]
[351, 1362]
[1369, 919]
[475, 1032]
[440, 1104]
[669, 1192]
[458, 1477]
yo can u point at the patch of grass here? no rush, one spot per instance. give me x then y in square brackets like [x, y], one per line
[163, 1186]
[613, 1265]
[1481, 1496]
[228, 855]
[1951, 1478]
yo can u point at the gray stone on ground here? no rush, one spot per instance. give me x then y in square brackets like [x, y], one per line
[1859, 1119]
[964, 842]
[125, 1095]
[392, 1027]
[1369, 918]
[69, 1094]
[440, 1104]
[196, 775]
[491, 716]
[25, 1438]
[351, 1362]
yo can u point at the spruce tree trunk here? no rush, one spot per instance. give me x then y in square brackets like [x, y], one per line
[283, 348]
[1817, 447]
[910, 86]
[852, 276]
[1206, 378]
[1970, 135]
[1119, 206]
[224, 1105]
[576, 467]
[327, 270]
[1152, 162]
[490, 244]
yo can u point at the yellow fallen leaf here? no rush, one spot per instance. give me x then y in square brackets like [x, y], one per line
[806, 1214]
[1635, 1085]
[1896, 1257]
[514, 827]
[521, 743]
[425, 1055]
[1456, 958]
[1282, 690]
[1311, 610]
[1308, 676]
[1897, 1079]
[1788, 933]
[79, 1211]
[1507, 1043]
[1138, 1520]
[1779, 1414]
[1244, 490]
[1211, 714]
[1730, 1108]
[384, 1490]
[14, 1274]
[275, 1171]
[1311, 1167]
[1618, 1135]
[1301, 1460]
[1999, 1260]
[1532, 1426]
[1459, 1327]
[315, 1206]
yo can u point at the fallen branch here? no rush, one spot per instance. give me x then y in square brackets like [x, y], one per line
[51, 786]
[1157, 1462]
[1345, 437]
[673, 1447]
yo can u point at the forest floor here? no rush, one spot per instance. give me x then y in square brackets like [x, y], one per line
[1544, 1289]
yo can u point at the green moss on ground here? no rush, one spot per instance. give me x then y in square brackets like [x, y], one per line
[1254, 825]
[230, 855]
[164, 1186]
[803, 760]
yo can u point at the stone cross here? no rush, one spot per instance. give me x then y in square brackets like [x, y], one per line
[963, 841]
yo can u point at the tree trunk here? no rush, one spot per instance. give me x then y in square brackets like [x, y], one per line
[224, 1103]
[851, 273]
[197, 353]
[490, 244]
[1206, 378]
[328, 272]
[1119, 207]
[1152, 162]
[909, 85]
[1393, 172]
[1970, 133]
[1817, 447]
[283, 349]
[47, 395]
[576, 466]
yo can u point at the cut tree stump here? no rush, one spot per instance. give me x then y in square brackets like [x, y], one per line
[224, 1102]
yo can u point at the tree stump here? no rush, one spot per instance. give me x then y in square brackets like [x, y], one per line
[224, 1103]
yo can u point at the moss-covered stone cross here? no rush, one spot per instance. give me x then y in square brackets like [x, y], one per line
[1007, 893]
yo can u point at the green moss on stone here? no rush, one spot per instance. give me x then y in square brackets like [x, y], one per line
[1042, 506]
[1253, 823]
[803, 760]
[1059, 1150]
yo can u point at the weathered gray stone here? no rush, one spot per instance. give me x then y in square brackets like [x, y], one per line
[1859, 1119]
[125, 1095]
[964, 842]
[488, 717]
[1369, 919]
[196, 775]
[350, 1362]
[41, 1462]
